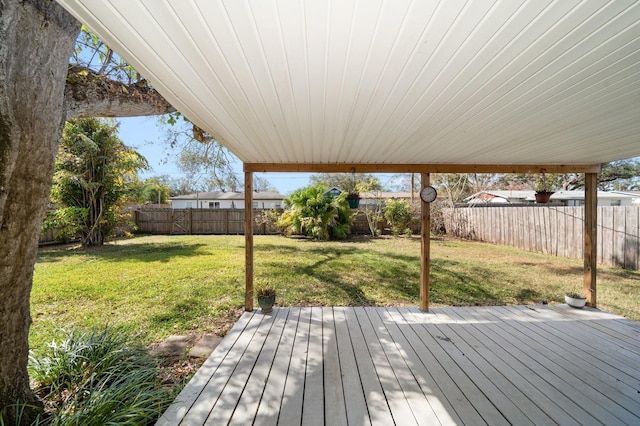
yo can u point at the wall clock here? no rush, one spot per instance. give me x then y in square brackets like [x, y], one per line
[428, 194]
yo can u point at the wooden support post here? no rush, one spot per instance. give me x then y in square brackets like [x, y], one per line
[590, 236]
[425, 233]
[248, 241]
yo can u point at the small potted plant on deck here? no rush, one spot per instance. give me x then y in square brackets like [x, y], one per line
[575, 299]
[266, 297]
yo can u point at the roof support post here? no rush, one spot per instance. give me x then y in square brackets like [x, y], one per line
[248, 241]
[590, 236]
[425, 246]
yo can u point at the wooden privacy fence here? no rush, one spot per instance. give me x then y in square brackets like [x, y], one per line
[199, 221]
[226, 222]
[555, 230]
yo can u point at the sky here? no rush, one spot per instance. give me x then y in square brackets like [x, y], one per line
[145, 136]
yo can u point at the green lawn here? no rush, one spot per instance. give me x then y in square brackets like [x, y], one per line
[162, 285]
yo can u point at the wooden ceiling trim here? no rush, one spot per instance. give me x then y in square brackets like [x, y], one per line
[419, 168]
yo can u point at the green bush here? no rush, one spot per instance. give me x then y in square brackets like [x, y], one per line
[99, 377]
[399, 215]
[311, 211]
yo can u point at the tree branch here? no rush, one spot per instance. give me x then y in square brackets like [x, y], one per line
[89, 94]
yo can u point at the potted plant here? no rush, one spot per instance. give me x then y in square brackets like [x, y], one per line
[266, 297]
[575, 300]
[544, 187]
[353, 198]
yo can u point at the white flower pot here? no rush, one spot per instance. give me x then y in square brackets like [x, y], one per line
[575, 302]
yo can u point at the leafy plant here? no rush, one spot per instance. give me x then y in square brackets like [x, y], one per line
[265, 290]
[311, 211]
[93, 173]
[398, 214]
[353, 195]
[575, 295]
[99, 377]
[547, 182]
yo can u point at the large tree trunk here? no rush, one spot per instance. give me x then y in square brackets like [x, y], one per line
[36, 40]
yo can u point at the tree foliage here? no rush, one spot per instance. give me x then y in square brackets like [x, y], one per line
[311, 211]
[206, 164]
[114, 88]
[155, 191]
[93, 173]
[349, 182]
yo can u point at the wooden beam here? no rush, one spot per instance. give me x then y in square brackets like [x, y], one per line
[419, 168]
[425, 246]
[590, 236]
[248, 241]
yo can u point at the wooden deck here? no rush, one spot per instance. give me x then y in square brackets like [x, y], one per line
[517, 365]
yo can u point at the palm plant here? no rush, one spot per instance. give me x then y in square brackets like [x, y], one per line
[311, 211]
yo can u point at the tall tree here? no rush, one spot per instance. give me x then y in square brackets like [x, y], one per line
[94, 172]
[155, 191]
[616, 175]
[261, 184]
[349, 182]
[38, 92]
[37, 38]
[207, 164]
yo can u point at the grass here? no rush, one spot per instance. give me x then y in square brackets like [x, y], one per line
[159, 285]
[99, 377]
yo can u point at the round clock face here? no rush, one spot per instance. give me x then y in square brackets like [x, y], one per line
[428, 194]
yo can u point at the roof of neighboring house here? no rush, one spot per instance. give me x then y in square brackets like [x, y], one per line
[630, 193]
[506, 194]
[530, 195]
[221, 195]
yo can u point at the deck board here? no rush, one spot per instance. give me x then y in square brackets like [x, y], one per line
[377, 406]
[293, 394]
[354, 398]
[335, 412]
[269, 407]
[449, 366]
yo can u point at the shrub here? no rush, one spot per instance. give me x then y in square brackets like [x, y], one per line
[398, 214]
[99, 377]
[311, 211]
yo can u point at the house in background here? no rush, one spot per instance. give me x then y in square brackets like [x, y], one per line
[634, 194]
[501, 197]
[564, 198]
[374, 197]
[226, 200]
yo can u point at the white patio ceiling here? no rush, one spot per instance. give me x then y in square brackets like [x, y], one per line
[398, 81]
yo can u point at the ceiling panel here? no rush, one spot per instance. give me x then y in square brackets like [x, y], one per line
[346, 81]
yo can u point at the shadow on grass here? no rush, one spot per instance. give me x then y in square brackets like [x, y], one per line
[351, 274]
[181, 312]
[477, 285]
[145, 252]
[361, 278]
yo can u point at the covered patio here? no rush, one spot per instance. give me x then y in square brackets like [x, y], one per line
[547, 364]
[404, 87]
